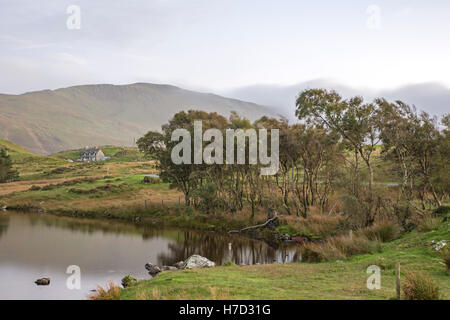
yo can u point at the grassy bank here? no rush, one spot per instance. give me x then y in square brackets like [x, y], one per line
[327, 280]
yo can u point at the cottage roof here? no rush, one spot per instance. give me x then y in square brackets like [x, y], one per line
[90, 152]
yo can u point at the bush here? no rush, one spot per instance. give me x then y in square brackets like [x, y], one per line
[429, 223]
[383, 231]
[445, 253]
[206, 198]
[7, 173]
[111, 292]
[341, 247]
[317, 252]
[128, 280]
[418, 286]
[314, 226]
[442, 210]
[286, 229]
[34, 188]
[151, 180]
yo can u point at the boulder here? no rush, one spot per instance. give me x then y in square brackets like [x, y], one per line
[179, 264]
[152, 269]
[43, 282]
[196, 261]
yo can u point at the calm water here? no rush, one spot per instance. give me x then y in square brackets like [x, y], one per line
[34, 246]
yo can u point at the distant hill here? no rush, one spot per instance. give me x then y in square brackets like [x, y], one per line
[431, 97]
[49, 121]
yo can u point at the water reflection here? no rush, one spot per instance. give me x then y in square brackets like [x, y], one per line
[4, 224]
[39, 245]
[215, 247]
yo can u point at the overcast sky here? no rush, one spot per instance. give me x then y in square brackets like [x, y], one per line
[218, 45]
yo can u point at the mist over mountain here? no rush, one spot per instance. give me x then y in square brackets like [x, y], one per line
[49, 121]
[431, 97]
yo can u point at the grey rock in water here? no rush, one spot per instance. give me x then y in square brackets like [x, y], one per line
[179, 264]
[152, 269]
[196, 261]
[43, 282]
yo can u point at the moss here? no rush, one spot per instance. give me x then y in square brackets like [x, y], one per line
[128, 281]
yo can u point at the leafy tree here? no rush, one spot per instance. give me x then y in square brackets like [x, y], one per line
[184, 177]
[7, 173]
[353, 119]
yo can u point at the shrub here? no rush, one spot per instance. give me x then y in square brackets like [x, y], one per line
[315, 226]
[356, 245]
[445, 253]
[128, 280]
[341, 247]
[442, 210]
[7, 173]
[317, 252]
[111, 292]
[383, 231]
[418, 286]
[229, 263]
[429, 223]
[206, 198]
[35, 188]
[287, 230]
[151, 180]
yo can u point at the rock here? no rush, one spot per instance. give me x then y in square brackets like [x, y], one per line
[196, 261]
[169, 268]
[128, 280]
[152, 269]
[43, 282]
[179, 264]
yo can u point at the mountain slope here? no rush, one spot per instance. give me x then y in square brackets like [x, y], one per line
[53, 120]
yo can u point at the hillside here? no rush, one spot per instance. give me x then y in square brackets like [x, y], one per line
[49, 121]
[14, 149]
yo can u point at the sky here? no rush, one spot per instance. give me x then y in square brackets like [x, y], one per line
[222, 45]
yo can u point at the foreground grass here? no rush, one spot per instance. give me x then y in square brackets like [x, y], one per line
[328, 280]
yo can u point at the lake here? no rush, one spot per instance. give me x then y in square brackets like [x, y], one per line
[34, 246]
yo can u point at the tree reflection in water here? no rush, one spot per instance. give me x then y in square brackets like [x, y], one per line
[215, 248]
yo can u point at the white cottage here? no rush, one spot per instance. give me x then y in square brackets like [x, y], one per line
[94, 154]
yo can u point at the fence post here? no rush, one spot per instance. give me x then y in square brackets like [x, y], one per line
[397, 280]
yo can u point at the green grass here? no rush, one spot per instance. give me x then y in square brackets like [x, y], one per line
[327, 280]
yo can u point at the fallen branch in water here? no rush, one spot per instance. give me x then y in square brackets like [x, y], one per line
[254, 227]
